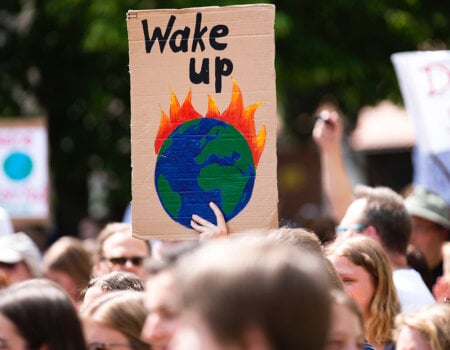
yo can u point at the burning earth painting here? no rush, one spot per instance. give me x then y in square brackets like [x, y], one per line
[207, 159]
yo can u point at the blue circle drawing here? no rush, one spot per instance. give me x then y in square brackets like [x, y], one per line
[204, 160]
[18, 166]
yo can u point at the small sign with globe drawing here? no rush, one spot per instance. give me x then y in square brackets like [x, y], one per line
[225, 153]
[24, 171]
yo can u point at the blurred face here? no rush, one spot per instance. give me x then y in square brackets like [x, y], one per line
[357, 281]
[162, 309]
[123, 252]
[194, 333]
[351, 222]
[9, 335]
[16, 272]
[410, 339]
[346, 331]
[428, 238]
[65, 281]
[99, 336]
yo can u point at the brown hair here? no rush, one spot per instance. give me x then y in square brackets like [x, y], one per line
[368, 254]
[386, 212]
[68, 255]
[123, 311]
[237, 284]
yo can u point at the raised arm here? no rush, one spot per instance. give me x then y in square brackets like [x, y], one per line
[327, 133]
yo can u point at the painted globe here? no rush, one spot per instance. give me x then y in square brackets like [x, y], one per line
[204, 160]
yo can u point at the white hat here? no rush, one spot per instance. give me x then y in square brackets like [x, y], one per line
[18, 247]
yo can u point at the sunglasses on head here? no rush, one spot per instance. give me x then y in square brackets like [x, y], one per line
[122, 260]
[106, 346]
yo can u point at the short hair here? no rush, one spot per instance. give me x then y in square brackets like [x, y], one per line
[43, 313]
[68, 255]
[115, 281]
[385, 210]
[123, 311]
[237, 284]
[108, 231]
[367, 253]
[432, 322]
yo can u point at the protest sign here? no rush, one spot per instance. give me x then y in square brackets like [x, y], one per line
[24, 169]
[424, 79]
[203, 118]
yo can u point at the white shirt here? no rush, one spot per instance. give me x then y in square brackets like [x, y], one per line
[412, 292]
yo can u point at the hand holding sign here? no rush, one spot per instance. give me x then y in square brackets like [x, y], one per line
[207, 229]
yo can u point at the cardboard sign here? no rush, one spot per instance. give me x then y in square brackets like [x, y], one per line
[424, 78]
[24, 169]
[203, 118]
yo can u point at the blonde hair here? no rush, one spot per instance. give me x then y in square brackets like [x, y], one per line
[432, 322]
[365, 252]
[123, 311]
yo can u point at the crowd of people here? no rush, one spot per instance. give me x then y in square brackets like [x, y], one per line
[383, 282]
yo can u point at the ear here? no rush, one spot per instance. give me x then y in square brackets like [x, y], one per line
[255, 339]
[371, 232]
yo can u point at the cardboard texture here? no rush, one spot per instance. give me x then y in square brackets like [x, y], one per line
[24, 170]
[203, 118]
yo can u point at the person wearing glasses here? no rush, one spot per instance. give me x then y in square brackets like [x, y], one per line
[118, 250]
[114, 321]
[377, 212]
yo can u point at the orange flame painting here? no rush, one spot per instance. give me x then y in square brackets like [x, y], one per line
[235, 115]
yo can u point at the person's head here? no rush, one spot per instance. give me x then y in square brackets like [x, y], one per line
[367, 276]
[38, 314]
[426, 329]
[115, 318]
[298, 237]
[430, 223]
[380, 213]
[69, 264]
[20, 258]
[113, 281]
[304, 239]
[160, 301]
[118, 250]
[347, 324]
[250, 294]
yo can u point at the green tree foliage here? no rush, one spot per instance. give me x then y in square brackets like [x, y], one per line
[68, 60]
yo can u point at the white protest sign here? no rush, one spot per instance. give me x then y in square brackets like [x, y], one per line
[24, 168]
[424, 78]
